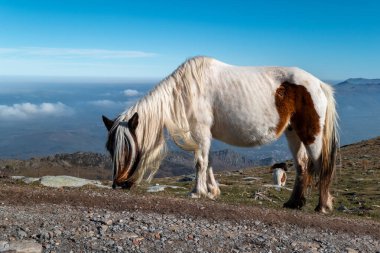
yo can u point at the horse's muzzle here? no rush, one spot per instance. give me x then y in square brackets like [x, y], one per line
[125, 185]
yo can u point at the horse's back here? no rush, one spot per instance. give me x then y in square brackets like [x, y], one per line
[244, 103]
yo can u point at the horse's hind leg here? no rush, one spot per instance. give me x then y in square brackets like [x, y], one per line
[303, 178]
[325, 198]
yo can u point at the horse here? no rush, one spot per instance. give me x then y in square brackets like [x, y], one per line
[278, 171]
[240, 105]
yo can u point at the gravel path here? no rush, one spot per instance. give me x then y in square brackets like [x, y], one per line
[61, 229]
[64, 220]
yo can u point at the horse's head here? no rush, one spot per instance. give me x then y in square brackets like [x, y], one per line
[124, 149]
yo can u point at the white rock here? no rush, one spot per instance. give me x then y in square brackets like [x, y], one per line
[160, 188]
[29, 180]
[67, 181]
[25, 246]
[17, 177]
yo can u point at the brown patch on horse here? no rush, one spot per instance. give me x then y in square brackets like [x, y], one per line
[295, 105]
[283, 178]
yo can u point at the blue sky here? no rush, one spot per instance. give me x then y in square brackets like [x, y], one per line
[148, 39]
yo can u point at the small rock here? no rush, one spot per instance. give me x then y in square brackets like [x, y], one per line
[187, 178]
[349, 250]
[138, 241]
[107, 222]
[57, 232]
[104, 228]
[157, 236]
[21, 234]
[4, 245]
[127, 235]
[25, 246]
[342, 208]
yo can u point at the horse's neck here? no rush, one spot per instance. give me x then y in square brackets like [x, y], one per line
[153, 110]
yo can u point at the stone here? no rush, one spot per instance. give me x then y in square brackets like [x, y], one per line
[251, 178]
[342, 208]
[187, 178]
[160, 188]
[127, 235]
[57, 232]
[21, 234]
[67, 181]
[24, 246]
[4, 245]
[29, 180]
[350, 250]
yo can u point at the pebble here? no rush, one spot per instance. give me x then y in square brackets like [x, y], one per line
[25, 246]
[21, 234]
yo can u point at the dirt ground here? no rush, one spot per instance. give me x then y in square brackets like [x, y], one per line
[15, 194]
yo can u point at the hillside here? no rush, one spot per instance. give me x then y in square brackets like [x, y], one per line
[248, 216]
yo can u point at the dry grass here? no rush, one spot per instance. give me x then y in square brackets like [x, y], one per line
[356, 186]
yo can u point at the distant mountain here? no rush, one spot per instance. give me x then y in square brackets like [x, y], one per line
[358, 103]
[98, 166]
[180, 163]
[359, 84]
[360, 81]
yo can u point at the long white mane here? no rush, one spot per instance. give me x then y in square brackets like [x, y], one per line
[166, 106]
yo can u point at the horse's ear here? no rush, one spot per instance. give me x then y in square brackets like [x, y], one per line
[133, 122]
[107, 122]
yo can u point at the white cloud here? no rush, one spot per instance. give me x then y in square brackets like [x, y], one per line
[104, 103]
[109, 103]
[131, 93]
[74, 53]
[29, 110]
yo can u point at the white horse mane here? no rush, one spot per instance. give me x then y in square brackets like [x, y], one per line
[165, 107]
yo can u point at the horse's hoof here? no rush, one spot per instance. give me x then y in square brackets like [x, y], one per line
[214, 192]
[194, 195]
[293, 204]
[290, 205]
[211, 196]
[322, 209]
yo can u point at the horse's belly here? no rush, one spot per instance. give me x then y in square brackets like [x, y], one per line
[244, 133]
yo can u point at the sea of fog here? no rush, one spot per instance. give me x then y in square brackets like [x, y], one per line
[39, 119]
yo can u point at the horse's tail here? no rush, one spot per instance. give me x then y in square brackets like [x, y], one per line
[330, 139]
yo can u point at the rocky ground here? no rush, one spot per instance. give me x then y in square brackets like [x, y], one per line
[247, 217]
[90, 219]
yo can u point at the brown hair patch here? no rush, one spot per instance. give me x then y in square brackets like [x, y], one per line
[295, 105]
[283, 178]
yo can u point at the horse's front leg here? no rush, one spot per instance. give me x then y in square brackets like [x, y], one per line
[200, 188]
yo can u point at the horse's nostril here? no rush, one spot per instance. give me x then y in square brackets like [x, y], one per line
[127, 185]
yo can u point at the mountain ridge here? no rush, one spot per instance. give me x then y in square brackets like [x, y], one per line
[98, 166]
